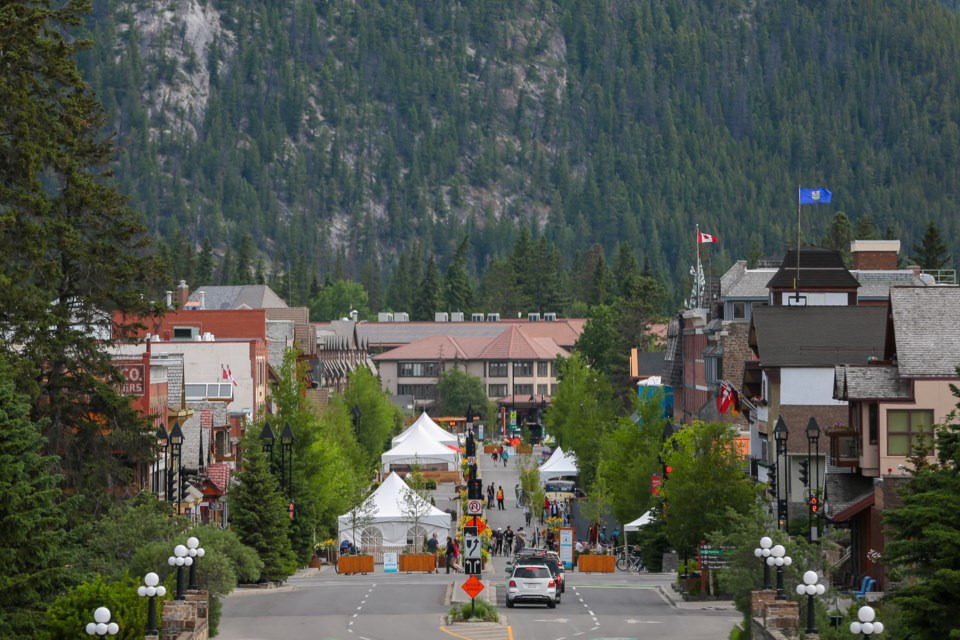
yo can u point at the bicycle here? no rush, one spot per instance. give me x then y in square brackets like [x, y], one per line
[631, 562]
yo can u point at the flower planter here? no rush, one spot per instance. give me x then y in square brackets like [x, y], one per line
[355, 564]
[410, 562]
[315, 562]
[596, 564]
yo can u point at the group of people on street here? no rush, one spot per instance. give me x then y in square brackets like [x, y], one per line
[507, 542]
[495, 494]
[554, 509]
[500, 453]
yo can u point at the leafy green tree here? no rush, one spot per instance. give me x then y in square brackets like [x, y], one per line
[338, 300]
[707, 479]
[457, 390]
[258, 512]
[931, 252]
[378, 419]
[360, 515]
[69, 615]
[924, 537]
[34, 542]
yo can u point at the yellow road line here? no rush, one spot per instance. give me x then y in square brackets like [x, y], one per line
[509, 632]
[486, 633]
[455, 635]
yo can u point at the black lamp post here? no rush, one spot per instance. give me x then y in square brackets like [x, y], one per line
[179, 559]
[810, 588]
[286, 460]
[763, 552]
[176, 453]
[779, 559]
[194, 551]
[780, 434]
[267, 439]
[813, 444]
[163, 440]
[151, 589]
[356, 414]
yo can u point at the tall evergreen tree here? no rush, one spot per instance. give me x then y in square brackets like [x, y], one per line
[258, 512]
[931, 252]
[72, 252]
[429, 297]
[457, 287]
[33, 544]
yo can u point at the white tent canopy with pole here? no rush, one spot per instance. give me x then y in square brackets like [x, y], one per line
[422, 450]
[389, 526]
[646, 518]
[426, 425]
[559, 465]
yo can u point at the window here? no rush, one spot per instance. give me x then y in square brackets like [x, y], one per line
[522, 369]
[713, 369]
[873, 422]
[416, 537]
[221, 440]
[371, 539]
[200, 391]
[553, 369]
[418, 369]
[543, 369]
[739, 311]
[905, 428]
[420, 391]
[542, 389]
[523, 390]
[497, 370]
[497, 390]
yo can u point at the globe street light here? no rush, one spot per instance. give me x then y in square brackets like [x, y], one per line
[779, 559]
[811, 588]
[102, 626]
[194, 551]
[866, 625]
[763, 552]
[150, 589]
[180, 558]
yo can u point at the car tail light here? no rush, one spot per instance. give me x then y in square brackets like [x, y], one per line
[552, 584]
[513, 584]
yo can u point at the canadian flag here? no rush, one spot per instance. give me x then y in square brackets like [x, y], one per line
[223, 372]
[724, 397]
[230, 376]
[704, 238]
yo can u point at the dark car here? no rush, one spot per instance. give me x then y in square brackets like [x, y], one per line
[549, 560]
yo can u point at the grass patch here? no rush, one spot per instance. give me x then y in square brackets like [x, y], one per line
[485, 612]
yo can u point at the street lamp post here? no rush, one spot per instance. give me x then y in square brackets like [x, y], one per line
[866, 623]
[194, 551]
[763, 552]
[356, 414]
[267, 439]
[151, 588]
[813, 442]
[780, 435]
[779, 559]
[176, 461]
[102, 626]
[180, 558]
[811, 588]
[163, 440]
[286, 460]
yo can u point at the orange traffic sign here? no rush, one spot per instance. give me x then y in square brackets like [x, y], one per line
[479, 524]
[472, 586]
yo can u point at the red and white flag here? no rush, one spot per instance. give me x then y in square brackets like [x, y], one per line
[230, 375]
[704, 238]
[724, 397]
[223, 372]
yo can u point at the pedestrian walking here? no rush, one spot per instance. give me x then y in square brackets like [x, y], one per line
[490, 492]
[432, 546]
[500, 498]
[519, 494]
[498, 541]
[508, 540]
[526, 514]
[505, 455]
[494, 454]
[448, 554]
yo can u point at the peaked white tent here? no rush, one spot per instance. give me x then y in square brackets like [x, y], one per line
[421, 449]
[646, 518]
[559, 465]
[390, 527]
[426, 425]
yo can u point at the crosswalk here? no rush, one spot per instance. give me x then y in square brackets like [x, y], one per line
[479, 631]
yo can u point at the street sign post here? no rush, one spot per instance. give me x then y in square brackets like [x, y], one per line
[474, 507]
[472, 587]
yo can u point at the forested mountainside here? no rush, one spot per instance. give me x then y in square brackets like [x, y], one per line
[333, 138]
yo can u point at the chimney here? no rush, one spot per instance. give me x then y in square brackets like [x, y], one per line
[875, 255]
[183, 293]
[203, 299]
[169, 299]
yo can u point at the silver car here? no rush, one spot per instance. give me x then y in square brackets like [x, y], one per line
[531, 583]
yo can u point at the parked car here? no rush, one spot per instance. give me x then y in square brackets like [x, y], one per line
[565, 490]
[548, 559]
[532, 583]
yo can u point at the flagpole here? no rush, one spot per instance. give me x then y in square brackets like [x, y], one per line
[696, 276]
[796, 280]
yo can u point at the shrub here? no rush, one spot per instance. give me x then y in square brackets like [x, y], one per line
[478, 611]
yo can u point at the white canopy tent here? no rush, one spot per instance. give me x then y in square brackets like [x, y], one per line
[426, 425]
[390, 526]
[646, 518]
[420, 449]
[559, 465]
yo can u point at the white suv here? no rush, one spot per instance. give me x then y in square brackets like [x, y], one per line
[531, 583]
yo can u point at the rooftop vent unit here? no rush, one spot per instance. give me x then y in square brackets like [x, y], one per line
[493, 317]
[456, 316]
[550, 317]
[441, 316]
[533, 317]
[476, 317]
[401, 316]
[186, 333]
[384, 317]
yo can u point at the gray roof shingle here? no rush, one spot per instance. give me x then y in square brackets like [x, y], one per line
[925, 330]
[870, 382]
[819, 268]
[817, 336]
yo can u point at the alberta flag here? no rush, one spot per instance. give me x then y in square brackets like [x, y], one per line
[815, 196]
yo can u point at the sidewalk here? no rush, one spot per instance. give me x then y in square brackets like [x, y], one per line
[675, 600]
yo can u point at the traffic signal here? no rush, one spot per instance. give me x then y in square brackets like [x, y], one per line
[475, 489]
[184, 486]
[805, 472]
[772, 479]
[667, 470]
[171, 486]
[814, 504]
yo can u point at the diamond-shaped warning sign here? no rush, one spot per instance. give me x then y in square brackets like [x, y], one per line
[472, 586]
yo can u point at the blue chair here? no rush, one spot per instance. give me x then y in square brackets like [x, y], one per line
[865, 587]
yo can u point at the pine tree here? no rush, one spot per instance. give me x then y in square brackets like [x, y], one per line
[429, 298]
[459, 291]
[931, 252]
[71, 250]
[33, 541]
[258, 512]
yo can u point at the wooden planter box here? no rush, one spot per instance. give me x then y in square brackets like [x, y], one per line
[596, 564]
[425, 562]
[315, 562]
[490, 448]
[355, 564]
